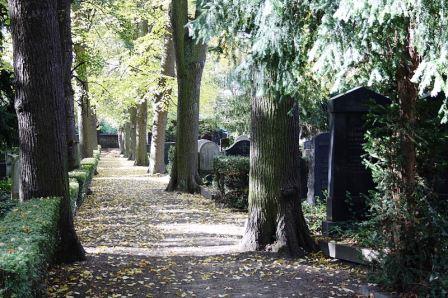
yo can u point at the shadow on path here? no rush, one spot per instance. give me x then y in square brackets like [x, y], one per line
[145, 242]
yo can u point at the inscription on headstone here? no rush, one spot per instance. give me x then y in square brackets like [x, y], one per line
[207, 151]
[240, 148]
[348, 179]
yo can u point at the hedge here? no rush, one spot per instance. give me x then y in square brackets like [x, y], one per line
[231, 176]
[28, 241]
[74, 194]
[29, 237]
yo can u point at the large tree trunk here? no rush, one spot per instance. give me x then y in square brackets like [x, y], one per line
[141, 149]
[93, 128]
[161, 101]
[190, 61]
[87, 135]
[42, 130]
[127, 139]
[121, 140]
[275, 220]
[141, 154]
[64, 9]
[132, 133]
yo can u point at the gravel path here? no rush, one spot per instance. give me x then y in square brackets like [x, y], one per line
[144, 242]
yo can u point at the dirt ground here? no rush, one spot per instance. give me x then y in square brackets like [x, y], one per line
[144, 242]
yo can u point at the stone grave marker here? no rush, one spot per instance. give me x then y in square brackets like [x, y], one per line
[348, 179]
[317, 151]
[242, 138]
[3, 167]
[240, 148]
[207, 151]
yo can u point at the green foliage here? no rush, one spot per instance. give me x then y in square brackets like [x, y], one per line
[171, 157]
[107, 128]
[6, 185]
[28, 238]
[6, 203]
[232, 180]
[414, 231]
[315, 215]
[362, 42]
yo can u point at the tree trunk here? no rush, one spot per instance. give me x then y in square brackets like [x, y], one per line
[141, 149]
[132, 132]
[64, 9]
[42, 130]
[93, 128]
[127, 139]
[190, 61]
[85, 114]
[141, 154]
[276, 219]
[161, 101]
[121, 140]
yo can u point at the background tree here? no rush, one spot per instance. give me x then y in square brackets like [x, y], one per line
[190, 61]
[64, 13]
[162, 99]
[39, 85]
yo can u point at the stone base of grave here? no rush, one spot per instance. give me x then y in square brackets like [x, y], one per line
[347, 252]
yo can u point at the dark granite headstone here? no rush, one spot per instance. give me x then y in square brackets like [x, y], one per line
[3, 173]
[348, 179]
[240, 148]
[317, 151]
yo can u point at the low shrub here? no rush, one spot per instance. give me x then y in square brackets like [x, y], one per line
[89, 161]
[6, 203]
[28, 241]
[232, 180]
[315, 215]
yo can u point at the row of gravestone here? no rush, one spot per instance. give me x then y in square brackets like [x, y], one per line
[336, 169]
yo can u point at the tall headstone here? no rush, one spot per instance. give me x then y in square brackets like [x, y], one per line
[348, 179]
[317, 153]
[207, 151]
[240, 148]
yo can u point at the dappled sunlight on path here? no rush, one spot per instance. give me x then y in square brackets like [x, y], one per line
[144, 242]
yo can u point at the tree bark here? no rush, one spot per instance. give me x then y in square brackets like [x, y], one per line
[132, 133]
[64, 9]
[41, 111]
[141, 149]
[85, 114]
[141, 154]
[121, 140]
[276, 219]
[190, 61]
[161, 101]
[127, 139]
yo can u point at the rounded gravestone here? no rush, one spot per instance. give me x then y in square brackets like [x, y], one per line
[242, 138]
[207, 151]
